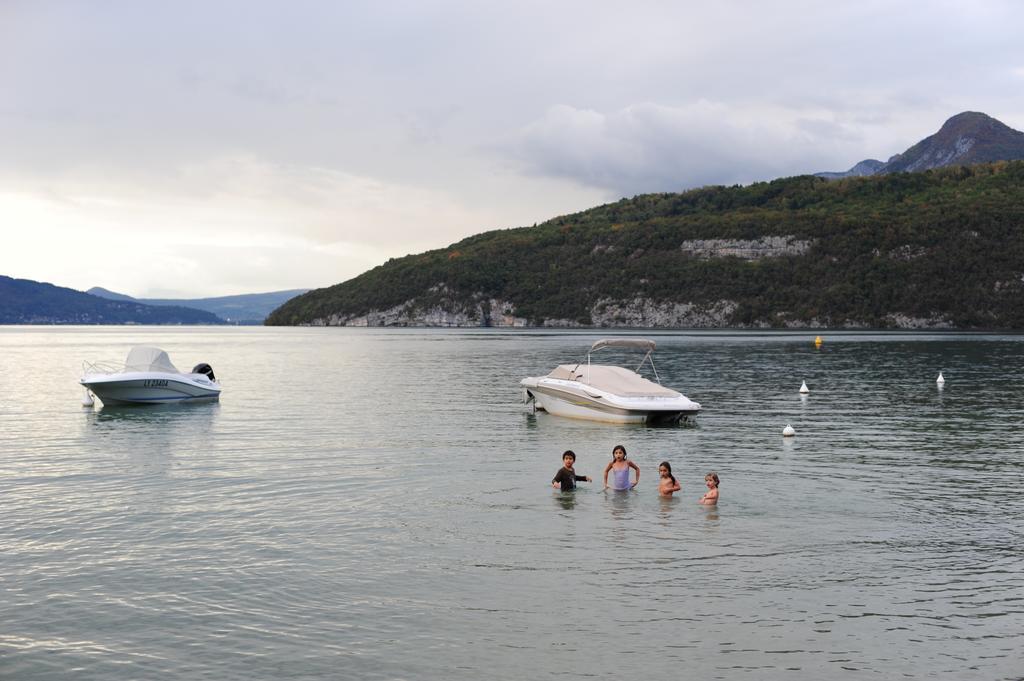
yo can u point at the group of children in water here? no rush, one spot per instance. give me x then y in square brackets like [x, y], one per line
[619, 467]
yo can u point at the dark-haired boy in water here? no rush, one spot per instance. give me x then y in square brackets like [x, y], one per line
[566, 478]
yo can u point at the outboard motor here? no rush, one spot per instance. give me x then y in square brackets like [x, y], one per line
[204, 369]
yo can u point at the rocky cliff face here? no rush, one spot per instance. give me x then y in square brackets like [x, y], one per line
[637, 313]
[490, 313]
[747, 249]
[642, 313]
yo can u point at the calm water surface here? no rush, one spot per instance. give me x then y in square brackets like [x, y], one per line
[374, 504]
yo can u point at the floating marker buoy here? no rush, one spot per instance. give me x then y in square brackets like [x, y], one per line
[87, 399]
[803, 388]
[788, 431]
[940, 380]
[817, 341]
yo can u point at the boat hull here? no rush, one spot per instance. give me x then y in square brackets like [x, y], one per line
[572, 399]
[150, 388]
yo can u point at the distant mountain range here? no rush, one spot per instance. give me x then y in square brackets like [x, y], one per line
[23, 301]
[248, 308]
[965, 139]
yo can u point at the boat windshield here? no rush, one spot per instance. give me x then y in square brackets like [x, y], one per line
[147, 358]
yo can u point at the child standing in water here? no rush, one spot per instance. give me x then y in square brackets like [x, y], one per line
[619, 469]
[711, 497]
[566, 478]
[668, 483]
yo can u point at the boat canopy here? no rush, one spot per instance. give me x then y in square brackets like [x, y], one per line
[612, 379]
[148, 358]
[641, 343]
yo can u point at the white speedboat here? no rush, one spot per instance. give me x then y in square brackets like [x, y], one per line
[599, 392]
[148, 377]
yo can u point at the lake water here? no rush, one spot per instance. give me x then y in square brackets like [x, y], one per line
[375, 504]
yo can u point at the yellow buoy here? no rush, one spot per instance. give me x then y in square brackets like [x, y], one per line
[817, 341]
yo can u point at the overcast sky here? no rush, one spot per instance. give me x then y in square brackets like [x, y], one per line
[190, 149]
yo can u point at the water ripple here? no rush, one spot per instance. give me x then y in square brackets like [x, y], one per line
[375, 504]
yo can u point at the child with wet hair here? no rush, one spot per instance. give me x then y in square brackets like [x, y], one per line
[668, 483]
[566, 478]
[710, 498]
[619, 467]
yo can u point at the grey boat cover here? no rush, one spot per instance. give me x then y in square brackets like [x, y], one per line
[612, 379]
[148, 358]
[641, 343]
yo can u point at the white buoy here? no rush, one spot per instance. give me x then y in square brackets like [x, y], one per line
[87, 399]
[940, 380]
[803, 388]
[788, 431]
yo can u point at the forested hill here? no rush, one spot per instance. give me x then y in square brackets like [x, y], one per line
[937, 249]
[23, 301]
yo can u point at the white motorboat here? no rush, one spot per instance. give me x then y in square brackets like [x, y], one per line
[148, 377]
[599, 392]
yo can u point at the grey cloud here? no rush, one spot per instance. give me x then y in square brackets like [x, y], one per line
[648, 147]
